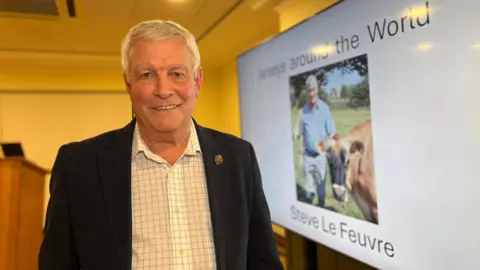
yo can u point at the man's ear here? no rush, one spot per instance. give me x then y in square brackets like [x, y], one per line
[127, 83]
[198, 81]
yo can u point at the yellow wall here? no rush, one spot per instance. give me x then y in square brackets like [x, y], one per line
[35, 78]
[45, 121]
[230, 108]
[207, 111]
[292, 12]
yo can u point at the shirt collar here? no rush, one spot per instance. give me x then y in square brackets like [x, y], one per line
[193, 145]
[139, 145]
[315, 107]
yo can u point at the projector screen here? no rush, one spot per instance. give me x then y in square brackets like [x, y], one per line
[364, 119]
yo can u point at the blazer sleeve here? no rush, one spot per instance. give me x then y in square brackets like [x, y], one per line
[262, 248]
[57, 250]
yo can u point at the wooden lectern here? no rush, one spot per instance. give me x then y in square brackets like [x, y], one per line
[21, 213]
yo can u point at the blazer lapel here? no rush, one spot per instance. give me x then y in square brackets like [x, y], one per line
[218, 185]
[115, 174]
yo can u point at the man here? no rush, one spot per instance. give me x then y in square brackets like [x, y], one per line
[315, 126]
[162, 192]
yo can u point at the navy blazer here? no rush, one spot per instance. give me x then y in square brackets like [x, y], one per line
[89, 216]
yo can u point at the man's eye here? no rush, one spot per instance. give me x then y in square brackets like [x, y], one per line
[147, 75]
[177, 74]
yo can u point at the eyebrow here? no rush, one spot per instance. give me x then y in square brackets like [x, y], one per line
[139, 67]
[178, 66]
[150, 67]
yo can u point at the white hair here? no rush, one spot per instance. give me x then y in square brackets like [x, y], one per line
[311, 81]
[159, 30]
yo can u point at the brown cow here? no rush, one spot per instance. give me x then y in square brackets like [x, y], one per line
[359, 175]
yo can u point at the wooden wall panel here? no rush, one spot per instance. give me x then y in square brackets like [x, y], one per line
[8, 212]
[21, 213]
[300, 253]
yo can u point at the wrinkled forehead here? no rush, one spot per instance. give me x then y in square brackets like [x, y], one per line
[171, 51]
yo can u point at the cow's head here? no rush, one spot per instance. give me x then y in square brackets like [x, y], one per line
[337, 155]
[355, 153]
[344, 156]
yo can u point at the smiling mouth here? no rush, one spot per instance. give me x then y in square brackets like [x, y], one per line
[164, 108]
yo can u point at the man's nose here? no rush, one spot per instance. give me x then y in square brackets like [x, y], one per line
[164, 87]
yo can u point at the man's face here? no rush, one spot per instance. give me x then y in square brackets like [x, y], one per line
[312, 92]
[161, 83]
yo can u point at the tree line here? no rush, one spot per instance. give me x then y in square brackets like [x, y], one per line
[357, 95]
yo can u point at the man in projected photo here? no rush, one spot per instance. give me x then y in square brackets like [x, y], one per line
[315, 126]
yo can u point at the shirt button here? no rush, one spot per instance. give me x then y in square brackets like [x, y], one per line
[177, 210]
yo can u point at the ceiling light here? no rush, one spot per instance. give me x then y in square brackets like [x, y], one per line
[323, 49]
[424, 46]
[418, 11]
[256, 4]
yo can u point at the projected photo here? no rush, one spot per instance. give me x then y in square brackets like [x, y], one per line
[332, 138]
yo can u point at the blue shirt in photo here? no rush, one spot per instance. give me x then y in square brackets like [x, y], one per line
[315, 125]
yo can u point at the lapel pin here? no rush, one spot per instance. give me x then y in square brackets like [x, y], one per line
[218, 159]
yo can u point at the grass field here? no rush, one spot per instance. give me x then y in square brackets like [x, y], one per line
[345, 119]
